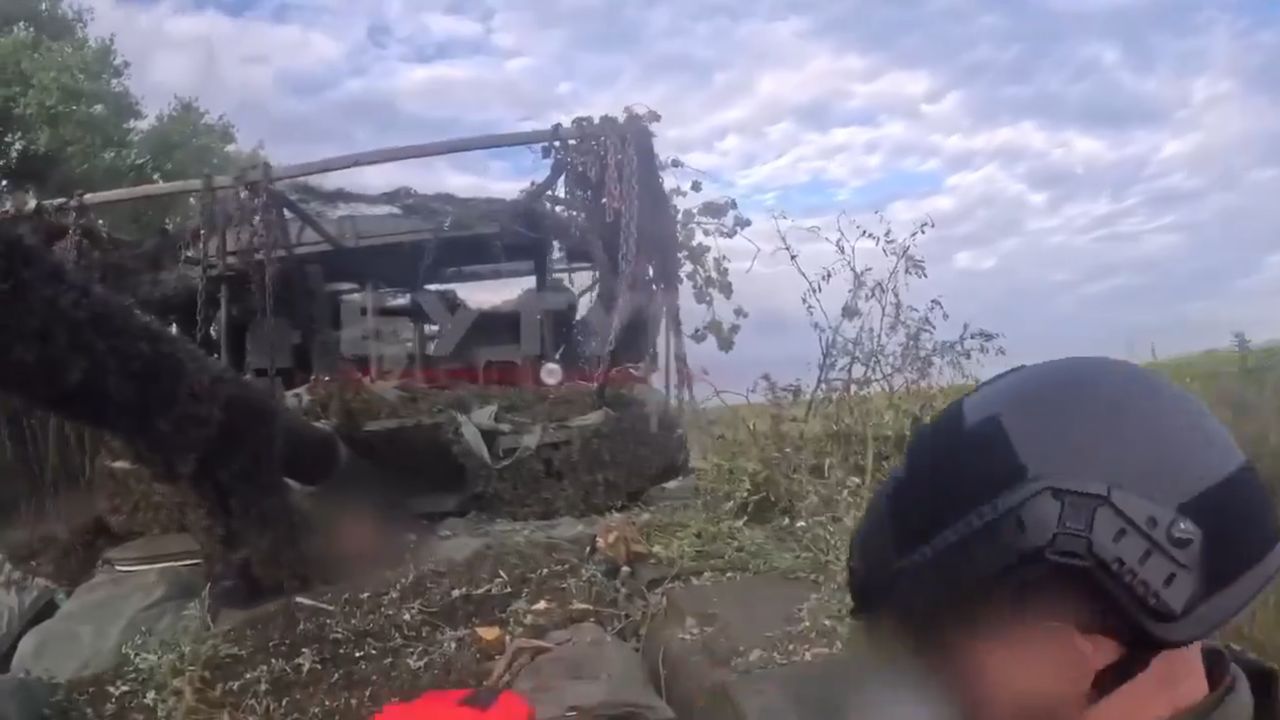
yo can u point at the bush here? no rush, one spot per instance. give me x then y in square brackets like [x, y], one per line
[786, 472]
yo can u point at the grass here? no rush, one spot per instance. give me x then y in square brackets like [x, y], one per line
[779, 492]
[1243, 390]
[782, 493]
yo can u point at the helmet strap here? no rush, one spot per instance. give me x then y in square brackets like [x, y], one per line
[1127, 667]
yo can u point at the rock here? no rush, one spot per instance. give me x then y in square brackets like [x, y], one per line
[490, 640]
[24, 603]
[24, 698]
[590, 675]
[176, 549]
[799, 691]
[457, 541]
[674, 492]
[705, 632]
[103, 615]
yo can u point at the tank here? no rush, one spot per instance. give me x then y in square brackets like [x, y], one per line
[350, 306]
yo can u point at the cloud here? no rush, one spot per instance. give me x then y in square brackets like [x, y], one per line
[1102, 173]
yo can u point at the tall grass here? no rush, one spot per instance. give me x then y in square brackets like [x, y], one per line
[783, 491]
[42, 458]
[1243, 390]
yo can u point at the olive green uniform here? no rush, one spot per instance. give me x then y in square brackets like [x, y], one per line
[1244, 688]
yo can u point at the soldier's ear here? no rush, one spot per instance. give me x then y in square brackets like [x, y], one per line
[1095, 651]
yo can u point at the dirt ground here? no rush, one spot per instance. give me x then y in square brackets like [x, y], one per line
[353, 652]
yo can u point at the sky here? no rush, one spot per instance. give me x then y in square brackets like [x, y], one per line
[1104, 175]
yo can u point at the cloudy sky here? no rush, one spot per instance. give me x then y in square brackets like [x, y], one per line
[1104, 174]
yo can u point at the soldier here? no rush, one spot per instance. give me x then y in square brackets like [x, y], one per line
[1064, 542]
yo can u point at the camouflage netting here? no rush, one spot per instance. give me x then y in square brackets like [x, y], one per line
[445, 210]
[586, 461]
[598, 469]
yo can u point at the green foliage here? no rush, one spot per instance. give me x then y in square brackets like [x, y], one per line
[66, 113]
[69, 121]
[705, 269]
[182, 141]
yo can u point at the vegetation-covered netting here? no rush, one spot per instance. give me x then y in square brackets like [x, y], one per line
[523, 453]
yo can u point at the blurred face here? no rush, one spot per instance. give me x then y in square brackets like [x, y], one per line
[1019, 671]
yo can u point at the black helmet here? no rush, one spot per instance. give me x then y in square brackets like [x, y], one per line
[1090, 463]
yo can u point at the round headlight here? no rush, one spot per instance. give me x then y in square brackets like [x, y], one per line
[551, 374]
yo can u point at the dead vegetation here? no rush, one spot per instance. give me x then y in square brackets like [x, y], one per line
[344, 654]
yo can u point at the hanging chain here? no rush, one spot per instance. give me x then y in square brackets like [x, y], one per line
[202, 287]
[266, 233]
[612, 188]
[247, 241]
[622, 153]
[71, 249]
[207, 219]
[630, 213]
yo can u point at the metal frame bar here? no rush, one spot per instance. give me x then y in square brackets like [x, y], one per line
[379, 156]
[305, 218]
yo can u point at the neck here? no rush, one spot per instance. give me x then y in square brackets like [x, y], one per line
[1175, 681]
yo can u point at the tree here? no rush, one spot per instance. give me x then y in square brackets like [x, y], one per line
[182, 141]
[66, 114]
[69, 121]
[1243, 347]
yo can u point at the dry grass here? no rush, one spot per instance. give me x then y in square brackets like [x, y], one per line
[358, 650]
[778, 492]
[781, 493]
[1244, 391]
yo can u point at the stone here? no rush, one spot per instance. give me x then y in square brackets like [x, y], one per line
[691, 648]
[680, 491]
[457, 541]
[591, 675]
[490, 640]
[175, 549]
[88, 634]
[799, 691]
[451, 551]
[24, 603]
[24, 698]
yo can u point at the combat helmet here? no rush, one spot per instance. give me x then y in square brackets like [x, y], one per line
[1094, 464]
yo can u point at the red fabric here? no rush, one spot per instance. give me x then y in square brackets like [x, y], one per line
[460, 705]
